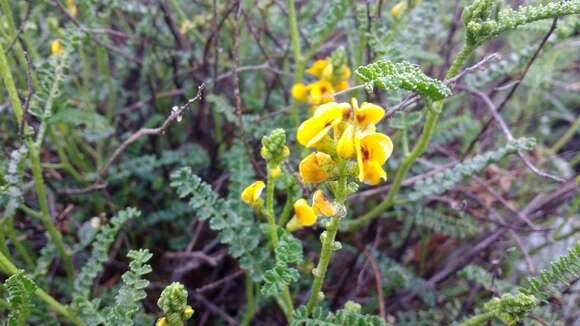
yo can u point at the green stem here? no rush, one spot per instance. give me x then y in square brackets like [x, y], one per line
[59, 308]
[287, 304]
[327, 244]
[299, 61]
[430, 123]
[45, 218]
[250, 302]
[566, 136]
[286, 211]
[10, 86]
[20, 248]
[3, 247]
[270, 209]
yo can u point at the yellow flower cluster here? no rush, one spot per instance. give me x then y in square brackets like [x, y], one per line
[354, 136]
[330, 80]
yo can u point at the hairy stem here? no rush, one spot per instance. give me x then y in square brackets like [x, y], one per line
[286, 300]
[45, 218]
[327, 245]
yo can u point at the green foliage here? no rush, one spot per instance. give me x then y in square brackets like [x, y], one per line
[400, 277]
[460, 227]
[350, 315]
[132, 290]
[92, 126]
[173, 303]
[446, 180]
[485, 19]
[289, 251]
[330, 18]
[562, 271]
[99, 254]
[440, 315]
[20, 291]
[388, 75]
[457, 127]
[11, 192]
[144, 165]
[240, 234]
[508, 308]
[482, 277]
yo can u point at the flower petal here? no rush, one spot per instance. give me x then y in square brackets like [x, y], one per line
[300, 92]
[304, 213]
[373, 173]
[313, 168]
[345, 147]
[368, 114]
[377, 146]
[317, 67]
[321, 205]
[251, 193]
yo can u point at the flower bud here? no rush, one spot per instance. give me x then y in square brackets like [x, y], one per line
[399, 9]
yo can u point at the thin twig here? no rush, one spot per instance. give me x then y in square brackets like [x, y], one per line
[514, 88]
[176, 113]
[504, 128]
[378, 283]
[219, 282]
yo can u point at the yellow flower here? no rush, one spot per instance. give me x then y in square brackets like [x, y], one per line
[367, 114]
[345, 73]
[345, 147]
[372, 151]
[55, 48]
[186, 25]
[321, 92]
[276, 172]
[318, 67]
[321, 205]
[314, 168]
[327, 73]
[325, 118]
[300, 92]
[341, 86]
[188, 312]
[304, 212]
[399, 9]
[71, 7]
[162, 322]
[252, 193]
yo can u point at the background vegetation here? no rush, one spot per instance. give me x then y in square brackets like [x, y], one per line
[130, 128]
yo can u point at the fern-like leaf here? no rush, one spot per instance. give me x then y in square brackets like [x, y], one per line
[482, 277]
[20, 290]
[459, 227]
[132, 290]
[388, 75]
[485, 19]
[288, 251]
[241, 235]
[99, 254]
[562, 271]
[446, 180]
[350, 315]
